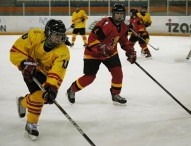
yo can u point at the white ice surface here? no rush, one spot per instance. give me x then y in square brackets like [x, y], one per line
[150, 118]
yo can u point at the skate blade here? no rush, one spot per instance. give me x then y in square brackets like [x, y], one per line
[30, 137]
[119, 104]
[144, 58]
[181, 60]
[148, 58]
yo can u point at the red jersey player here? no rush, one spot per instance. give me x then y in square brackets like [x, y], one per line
[102, 48]
[139, 33]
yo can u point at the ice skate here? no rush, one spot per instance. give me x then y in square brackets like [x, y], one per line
[20, 108]
[72, 44]
[85, 44]
[117, 99]
[31, 131]
[71, 95]
[146, 53]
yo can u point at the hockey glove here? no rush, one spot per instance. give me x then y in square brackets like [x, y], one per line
[130, 27]
[82, 19]
[50, 94]
[67, 42]
[131, 56]
[28, 67]
[72, 26]
[147, 24]
[103, 50]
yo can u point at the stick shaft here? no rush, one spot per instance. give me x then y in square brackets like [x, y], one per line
[144, 40]
[164, 88]
[65, 113]
[189, 54]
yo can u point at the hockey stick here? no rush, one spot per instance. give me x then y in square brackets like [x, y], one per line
[144, 40]
[76, 23]
[71, 26]
[189, 54]
[67, 116]
[164, 88]
[68, 28]
[126, 22]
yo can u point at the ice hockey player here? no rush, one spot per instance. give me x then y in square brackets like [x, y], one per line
[102, 48]
[145, 16]
[79, 18]
[40, 54]
[139, 33]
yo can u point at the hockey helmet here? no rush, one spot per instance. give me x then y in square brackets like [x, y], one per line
[55, 32]
[77, 6]
[143, 9]
[134, 12]
[117, 8]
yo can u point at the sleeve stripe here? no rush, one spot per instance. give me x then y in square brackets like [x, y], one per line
[15, 49]
[55, 76]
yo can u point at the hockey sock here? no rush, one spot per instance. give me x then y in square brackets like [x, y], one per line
[34, 105]
[117, 77]
[82, 82]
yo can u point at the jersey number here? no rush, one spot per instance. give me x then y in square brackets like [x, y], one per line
[24, 36]
[65, 64]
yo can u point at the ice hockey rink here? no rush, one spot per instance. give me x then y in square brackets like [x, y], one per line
[150, 118]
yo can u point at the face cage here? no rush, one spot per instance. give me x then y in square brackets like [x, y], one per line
[143, 10]
[133, 15]
[119, 21]
[54, 39]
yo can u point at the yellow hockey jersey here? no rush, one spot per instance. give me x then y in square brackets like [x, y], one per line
[31, 45]
[146, 18]
[76, 19]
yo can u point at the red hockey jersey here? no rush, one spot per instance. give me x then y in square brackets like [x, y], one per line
[137, 24]
[110, 35]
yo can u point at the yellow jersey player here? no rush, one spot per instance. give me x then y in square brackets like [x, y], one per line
[139, 33]
[79, 18]
[40, 54]
[145, 16]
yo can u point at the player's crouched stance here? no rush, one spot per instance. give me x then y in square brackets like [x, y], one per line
[102, 48]
[42, 55]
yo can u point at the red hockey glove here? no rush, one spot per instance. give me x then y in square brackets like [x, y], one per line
[131, 56]
[104, 50]
[28, 67]
[50, 94]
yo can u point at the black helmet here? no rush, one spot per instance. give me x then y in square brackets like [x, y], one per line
[118, 8]
[134, 12]
[54, 27]
[144, 6]
[77, 5]
[143, 9]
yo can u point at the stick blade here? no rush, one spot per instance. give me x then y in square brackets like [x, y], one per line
[157, 49]
[181, 60]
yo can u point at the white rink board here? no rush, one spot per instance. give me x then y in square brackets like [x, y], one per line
[160, 24]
